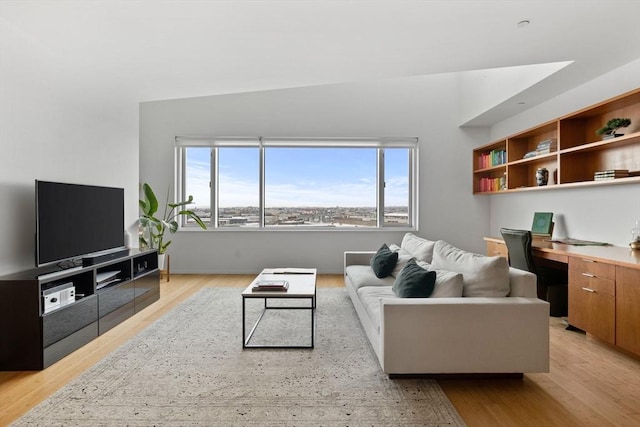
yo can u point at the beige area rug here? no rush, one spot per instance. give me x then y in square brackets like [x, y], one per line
[189, 369]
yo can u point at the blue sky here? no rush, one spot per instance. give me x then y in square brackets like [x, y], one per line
[299, 177]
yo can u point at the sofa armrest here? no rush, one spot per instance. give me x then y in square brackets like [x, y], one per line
[522, 283]
[357, 258]
[440, 335]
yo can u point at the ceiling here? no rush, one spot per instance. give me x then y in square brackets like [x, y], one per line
[115, 52]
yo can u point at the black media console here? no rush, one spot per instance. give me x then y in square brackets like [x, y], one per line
[45, 314]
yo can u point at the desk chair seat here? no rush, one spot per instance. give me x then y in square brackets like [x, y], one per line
[551, 283]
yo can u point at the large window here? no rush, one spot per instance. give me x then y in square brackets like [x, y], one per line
[293, 183]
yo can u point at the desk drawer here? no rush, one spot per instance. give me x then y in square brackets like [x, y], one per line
[590, 283]
[594, 268]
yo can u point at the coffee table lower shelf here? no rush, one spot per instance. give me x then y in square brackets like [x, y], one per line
[247, 338]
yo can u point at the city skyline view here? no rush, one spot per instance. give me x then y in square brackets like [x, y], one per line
[250, 216]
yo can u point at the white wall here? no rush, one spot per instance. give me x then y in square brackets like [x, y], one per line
[425, 107]
[604, 213]
[51, 131]
[482, 90]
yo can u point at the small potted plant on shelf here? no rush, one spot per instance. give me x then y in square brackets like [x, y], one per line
[609, 130]
[635, 236]
[154, 227]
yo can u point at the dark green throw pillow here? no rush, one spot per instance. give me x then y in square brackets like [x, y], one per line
[414, 281]
[383, 261]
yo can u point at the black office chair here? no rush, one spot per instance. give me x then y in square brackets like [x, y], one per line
[551, 283]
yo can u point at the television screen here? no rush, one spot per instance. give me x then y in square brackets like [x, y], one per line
[75, 220]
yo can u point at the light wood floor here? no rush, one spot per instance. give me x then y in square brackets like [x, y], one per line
[590, 384]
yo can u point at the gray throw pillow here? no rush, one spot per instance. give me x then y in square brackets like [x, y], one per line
[383, 261]
[414, 281]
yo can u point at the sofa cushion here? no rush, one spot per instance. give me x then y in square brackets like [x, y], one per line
[482, 276]
[403, 258]
[383, 261]
[449, 284]
[370, 297]
[421, 249]
[362, 275]
[414, 281]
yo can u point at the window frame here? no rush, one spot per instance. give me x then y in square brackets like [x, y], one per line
[182, 143]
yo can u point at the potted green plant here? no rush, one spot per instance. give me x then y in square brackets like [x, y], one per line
[154, 227]
[609, 130]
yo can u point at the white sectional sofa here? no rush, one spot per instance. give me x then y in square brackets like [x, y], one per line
[483, 317]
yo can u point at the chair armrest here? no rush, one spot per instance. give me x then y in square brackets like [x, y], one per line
[357, 258]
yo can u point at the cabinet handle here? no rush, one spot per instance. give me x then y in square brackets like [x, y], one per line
[588, 275]
[588, 260]
[589, 290]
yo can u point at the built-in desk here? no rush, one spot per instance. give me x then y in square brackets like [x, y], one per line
[604, 288]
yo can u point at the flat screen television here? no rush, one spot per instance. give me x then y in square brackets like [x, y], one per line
[74, 221]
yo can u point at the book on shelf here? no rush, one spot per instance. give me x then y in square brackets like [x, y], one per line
[492, 158]
[544, 147]
[611, 174]
[547, 143]
[270, 285]
[493, 184]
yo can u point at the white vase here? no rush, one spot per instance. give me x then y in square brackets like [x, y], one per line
[161, 259]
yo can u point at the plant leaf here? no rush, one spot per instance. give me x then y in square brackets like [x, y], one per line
[151, 199]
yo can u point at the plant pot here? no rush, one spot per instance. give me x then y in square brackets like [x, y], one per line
[161, 261]
[611, 135]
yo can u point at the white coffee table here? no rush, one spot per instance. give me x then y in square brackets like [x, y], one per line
[302, 285]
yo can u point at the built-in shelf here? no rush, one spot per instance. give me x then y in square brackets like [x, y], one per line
[576, 155]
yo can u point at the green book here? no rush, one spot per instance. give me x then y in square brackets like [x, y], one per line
[542, 223]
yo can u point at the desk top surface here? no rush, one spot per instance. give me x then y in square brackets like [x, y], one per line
[618, 255]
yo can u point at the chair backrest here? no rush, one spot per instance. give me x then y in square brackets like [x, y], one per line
[519, 246]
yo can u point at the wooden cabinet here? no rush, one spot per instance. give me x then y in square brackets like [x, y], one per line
[628, 309]
[39, 335]
[592, 294]
[604, 301]
[576, 153]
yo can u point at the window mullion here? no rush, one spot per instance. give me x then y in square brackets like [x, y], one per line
[261, 220]
[213, 187]
[380, 189]
[181, 164]
[412, 216]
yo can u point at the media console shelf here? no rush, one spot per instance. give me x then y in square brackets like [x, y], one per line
[576, 153]
[35, 334]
